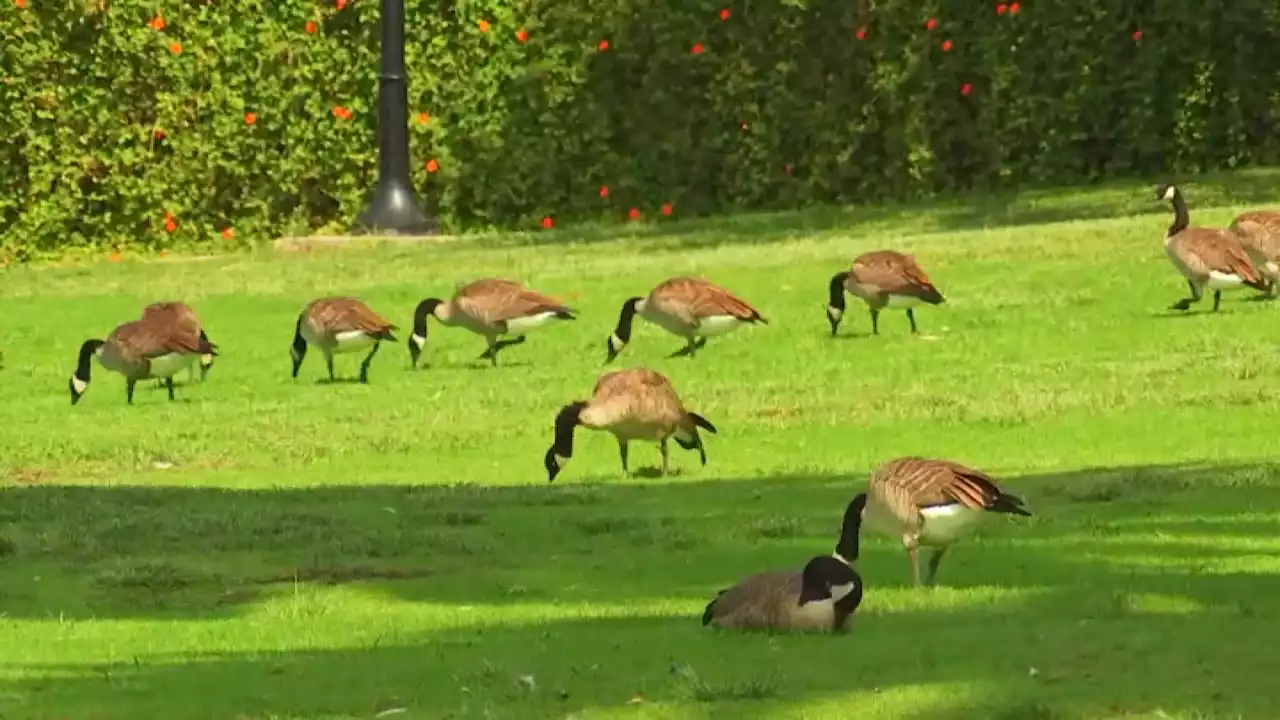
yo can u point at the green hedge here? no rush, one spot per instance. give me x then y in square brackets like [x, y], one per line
[253, 118]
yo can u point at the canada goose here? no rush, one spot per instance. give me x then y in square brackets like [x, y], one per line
[1259, 234]
[633, 404]
[157, 345]
[934, 503]
[183, 314]
[490, 307]
[339, 325]
[819, 598]
[882, 278]
[689, 307]
[1206, 257]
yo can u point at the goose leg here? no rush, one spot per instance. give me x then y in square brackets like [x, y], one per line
[912, 545]
[1217, 298]
[690, 349]
[911, 315]
[328, 361]
[875, 321]
[933, 565]
[1185, 303]
[364, 366]
[168, 383]
[495, 345]
[622, 453]
[128, 389]
[666, 456]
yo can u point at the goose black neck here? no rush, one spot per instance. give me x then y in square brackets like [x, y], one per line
[84, 362]
[835, 290]
[566, 420]
[625, 318]
[299, 342]
[425, 309]
[1181, 218]
[848, 547]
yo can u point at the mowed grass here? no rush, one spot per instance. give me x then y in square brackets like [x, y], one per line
[276, 548]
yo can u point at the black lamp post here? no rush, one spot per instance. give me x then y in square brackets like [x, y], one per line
[394, 208]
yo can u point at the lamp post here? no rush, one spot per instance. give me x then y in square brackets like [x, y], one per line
[393, 207]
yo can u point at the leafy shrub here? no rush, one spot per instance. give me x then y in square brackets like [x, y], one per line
[167, 122]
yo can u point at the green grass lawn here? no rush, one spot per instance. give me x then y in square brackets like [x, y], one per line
[272, 548]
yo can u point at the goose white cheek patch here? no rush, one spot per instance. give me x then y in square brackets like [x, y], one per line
[418, 340]
[615, 342]
[78, 384]
[561, 460]
[835, 312]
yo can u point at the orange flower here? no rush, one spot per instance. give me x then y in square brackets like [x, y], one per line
[666, 208]
[20, 3]
[1001, 8]
[604, 191]
[696, 49]
[484, 26]
[861, 34]
[634, 214]
[341, 4]
[228, 233]
[1014, 8]
[115, 257]
[423, 118]
[946, 46]
[164, 253]
[432, 165]
[155, 23]
[311, 26]
[1137, 35]
[170, 225]
[341, 112]
[604, 45]
[175, 48]
[158, 134]
[250, 118]
[522, 35]
[930, 24]
[724, 14]
[965, 89]
[548, 223]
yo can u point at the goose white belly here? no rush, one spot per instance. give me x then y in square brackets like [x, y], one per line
[1272, 268]
[1224, 281]
[352, 340]
[713, 325]
[171, 364]
[945, 524]
[522, 325]
[903, 301]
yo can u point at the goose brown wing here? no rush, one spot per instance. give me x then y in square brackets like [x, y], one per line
[704, 299]
[345, 314]
[494, 300]
[922, 482]
[756, 601]
[892, 272]
[152, 339]
[1218, 251]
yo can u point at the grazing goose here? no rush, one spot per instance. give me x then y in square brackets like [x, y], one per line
[934, 503]
[1206, 257]
[157, 345]
[689, 307]
[882, 278]
[184, 315]
[633, 404]
[339, 325]
[490, 307]
[819, 598]
[1259, 234]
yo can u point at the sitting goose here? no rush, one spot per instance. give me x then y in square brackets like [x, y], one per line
[924, 501]
[819, 598]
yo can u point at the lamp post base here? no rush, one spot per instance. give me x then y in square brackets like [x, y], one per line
[394, 211]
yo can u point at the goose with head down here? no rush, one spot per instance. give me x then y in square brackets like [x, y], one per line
[157, 345]
[692, 308]
[338, 325]
[882, 279]
[501, 311]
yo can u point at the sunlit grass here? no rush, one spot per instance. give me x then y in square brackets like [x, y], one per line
[271, 548]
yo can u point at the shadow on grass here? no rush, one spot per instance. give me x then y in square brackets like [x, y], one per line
[1154, 568]
[965, 212]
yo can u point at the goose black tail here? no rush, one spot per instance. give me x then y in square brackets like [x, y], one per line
[710, 612]
[1010, 505]
[702, 422]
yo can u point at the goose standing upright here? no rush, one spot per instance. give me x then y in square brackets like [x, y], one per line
[633, 404]
[491, 308]
[933, 503]
[339, 325]
[1206, 257]
[693, 308]
[819, 598]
